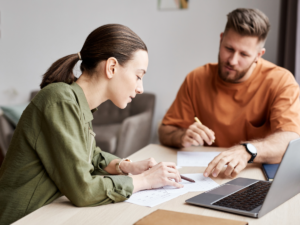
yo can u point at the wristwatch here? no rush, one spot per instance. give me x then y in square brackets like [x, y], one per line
[118, 166]
[251, 150]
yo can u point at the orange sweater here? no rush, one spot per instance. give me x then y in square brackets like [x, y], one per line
[267, 102]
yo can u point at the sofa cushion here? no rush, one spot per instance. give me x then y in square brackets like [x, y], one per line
[107, 136]
[13, 113]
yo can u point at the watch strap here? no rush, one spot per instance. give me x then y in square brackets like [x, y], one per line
[252, 154]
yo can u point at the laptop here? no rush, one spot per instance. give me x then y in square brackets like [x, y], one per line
[255, 198]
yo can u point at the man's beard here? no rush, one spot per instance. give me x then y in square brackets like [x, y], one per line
[238, 76]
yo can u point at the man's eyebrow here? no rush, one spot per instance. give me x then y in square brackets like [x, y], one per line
[245, 52]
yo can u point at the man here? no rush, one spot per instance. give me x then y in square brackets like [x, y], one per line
[242, 99]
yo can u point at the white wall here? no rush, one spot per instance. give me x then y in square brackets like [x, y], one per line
[36, 33]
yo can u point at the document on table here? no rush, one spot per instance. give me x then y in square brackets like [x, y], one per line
[202, 183]
[152, 197]
[155, 197]
[201, 159]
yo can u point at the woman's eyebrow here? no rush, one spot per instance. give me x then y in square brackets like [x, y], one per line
[144, 71]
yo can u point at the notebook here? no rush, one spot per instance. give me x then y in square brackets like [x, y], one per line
[166, 217]
[270, 170]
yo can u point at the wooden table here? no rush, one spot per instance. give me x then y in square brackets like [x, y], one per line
[61, 211]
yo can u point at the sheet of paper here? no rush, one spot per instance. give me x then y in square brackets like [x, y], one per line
[201, 159]
[202, 183]
[152, 198]
[157, 196]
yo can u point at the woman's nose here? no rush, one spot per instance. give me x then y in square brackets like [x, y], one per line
[140, 88]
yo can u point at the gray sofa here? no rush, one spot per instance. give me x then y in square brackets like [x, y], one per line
[124, 131]
[118, 131]
[7, 131]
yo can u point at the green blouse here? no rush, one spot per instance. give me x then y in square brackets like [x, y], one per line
[53, 153]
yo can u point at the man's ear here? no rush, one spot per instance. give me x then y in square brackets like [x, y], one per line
[221, 36]
[261, 52]
[111, 67]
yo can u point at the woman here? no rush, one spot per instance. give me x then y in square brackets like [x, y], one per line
[53, 152]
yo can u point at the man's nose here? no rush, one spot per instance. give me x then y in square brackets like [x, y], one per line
[140, 88]
[233, 60]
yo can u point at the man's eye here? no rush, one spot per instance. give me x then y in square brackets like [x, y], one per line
[243, 54]
[138, 78]
[229, 49]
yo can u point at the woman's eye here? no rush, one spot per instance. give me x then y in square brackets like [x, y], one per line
[138, 78]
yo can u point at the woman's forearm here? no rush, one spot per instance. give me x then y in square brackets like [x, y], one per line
[139, 182]
[159, 175]
[111, 167]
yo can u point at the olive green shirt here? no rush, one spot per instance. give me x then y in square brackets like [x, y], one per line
[53, 153]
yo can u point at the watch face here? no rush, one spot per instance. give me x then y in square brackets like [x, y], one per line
[251, 148]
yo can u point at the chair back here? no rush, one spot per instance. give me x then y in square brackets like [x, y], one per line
[142, 103]
[108, 113]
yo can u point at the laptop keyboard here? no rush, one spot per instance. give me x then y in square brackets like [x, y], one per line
[246, 199]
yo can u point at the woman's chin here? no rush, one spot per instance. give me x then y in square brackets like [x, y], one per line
[122, 105]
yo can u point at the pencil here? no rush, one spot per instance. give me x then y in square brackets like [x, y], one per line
[198, 121]
[188, 179]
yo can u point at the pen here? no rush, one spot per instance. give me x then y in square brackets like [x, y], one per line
[198, 121]
[186, 178]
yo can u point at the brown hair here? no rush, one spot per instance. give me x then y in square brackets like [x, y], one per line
[248, 22]
[111, 40]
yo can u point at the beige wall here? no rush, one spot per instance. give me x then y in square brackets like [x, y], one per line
[35, 33]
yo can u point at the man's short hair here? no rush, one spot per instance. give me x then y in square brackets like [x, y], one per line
[248, 22]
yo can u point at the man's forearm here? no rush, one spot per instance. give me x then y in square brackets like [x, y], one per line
[171, 135]
[272, 148]
[269, 150]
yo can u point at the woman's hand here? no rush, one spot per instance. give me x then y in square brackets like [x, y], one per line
[159, 175]
[137, 167]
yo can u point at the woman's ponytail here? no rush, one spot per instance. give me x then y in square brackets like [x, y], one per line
[111, 40]
[61, 71]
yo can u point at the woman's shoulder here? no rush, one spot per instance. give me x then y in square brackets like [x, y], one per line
[53, 94]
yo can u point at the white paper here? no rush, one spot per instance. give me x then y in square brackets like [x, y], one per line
[151, 198]
[201, 159]
[202, 183]
[157, 196]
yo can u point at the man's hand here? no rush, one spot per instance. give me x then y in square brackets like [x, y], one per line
[196, 135]
[137, 167]
[236, 159]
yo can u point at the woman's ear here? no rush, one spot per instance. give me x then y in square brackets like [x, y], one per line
[111, 67]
